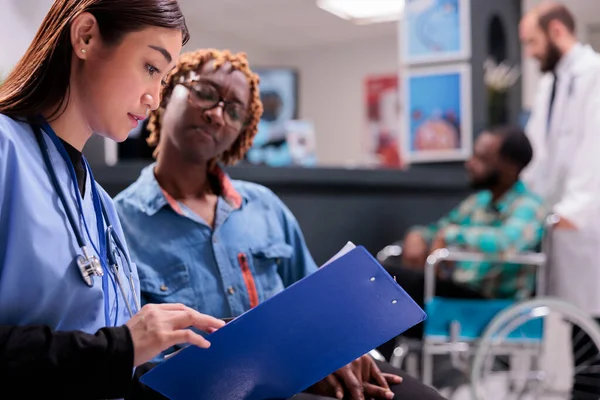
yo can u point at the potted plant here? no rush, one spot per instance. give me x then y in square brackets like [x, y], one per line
[498, 78]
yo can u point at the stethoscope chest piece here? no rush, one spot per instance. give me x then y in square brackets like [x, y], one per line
[88, 268]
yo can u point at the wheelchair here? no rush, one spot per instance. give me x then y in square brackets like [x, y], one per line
[500, 348]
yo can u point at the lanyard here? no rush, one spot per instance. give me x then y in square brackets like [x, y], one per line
[97, 211]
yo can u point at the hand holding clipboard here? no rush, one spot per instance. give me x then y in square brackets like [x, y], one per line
[316, 326]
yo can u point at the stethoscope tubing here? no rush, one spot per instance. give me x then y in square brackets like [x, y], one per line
[110, 234]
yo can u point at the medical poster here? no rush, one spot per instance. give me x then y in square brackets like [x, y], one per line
[279, 95]
[437, 114]
[382, 100]
[435, 31]
[293, 144]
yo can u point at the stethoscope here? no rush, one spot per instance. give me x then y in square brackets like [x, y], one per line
[89, 265]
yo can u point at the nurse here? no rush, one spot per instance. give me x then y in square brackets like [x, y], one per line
[68, 290]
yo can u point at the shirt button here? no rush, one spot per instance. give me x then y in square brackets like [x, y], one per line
[215, 240]
[163, 288]
[230, 290]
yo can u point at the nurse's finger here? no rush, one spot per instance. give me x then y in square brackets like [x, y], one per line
[186, 336]
[155, 329]
[186, 317]
[168, 306]
[192, 318]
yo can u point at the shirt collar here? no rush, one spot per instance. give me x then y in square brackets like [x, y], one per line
[506, 200]
[156, 197]
[568, 59]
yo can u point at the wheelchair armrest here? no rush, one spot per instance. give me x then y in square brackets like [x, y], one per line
[377, 355]
[395, 250]
[392, 250]
[551, 221]
[452, 254]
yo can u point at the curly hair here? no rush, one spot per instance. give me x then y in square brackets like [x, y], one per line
[194, 61]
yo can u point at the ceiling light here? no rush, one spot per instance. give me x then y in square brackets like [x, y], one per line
[364, 11]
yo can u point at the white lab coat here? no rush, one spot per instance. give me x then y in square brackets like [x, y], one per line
[566, 171]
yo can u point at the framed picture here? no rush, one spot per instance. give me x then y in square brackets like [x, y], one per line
[437, 114]
[435, 31]
[297, 147]
[382, 105]
[279, 95]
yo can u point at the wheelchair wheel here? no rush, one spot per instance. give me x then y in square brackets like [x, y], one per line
[518, 356]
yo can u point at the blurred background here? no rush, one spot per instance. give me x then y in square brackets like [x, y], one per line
[371, 106]
[339, 126]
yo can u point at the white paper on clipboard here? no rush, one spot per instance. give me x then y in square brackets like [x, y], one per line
[349, 246]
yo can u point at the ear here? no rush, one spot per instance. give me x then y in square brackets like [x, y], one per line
[555, 29]
[511, 169]
[85, 35]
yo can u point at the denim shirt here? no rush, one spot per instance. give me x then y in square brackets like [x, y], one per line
[255, 250]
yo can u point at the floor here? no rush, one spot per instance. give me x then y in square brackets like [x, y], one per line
[556, 364]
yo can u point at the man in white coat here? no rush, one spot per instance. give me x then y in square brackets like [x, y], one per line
[564, 130]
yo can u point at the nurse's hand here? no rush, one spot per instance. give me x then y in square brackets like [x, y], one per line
[159, 326]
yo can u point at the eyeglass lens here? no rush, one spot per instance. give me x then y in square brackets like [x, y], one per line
[206, 96]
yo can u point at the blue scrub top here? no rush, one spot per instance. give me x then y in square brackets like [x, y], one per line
[40, 281]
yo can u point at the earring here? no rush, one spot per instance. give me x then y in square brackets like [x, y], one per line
[83, 51]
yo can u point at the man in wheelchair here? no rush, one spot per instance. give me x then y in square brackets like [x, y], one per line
[502, 216]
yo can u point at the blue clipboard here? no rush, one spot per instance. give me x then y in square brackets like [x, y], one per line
[288, 343]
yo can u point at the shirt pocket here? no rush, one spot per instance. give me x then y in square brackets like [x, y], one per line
[168, 285]
[266, 260]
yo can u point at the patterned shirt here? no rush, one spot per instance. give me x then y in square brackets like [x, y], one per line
[514, 223]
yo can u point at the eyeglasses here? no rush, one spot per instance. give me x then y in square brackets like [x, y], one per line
[205, 96]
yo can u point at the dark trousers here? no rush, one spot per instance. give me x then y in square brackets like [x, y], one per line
[409, 389]
[586, 358]
[413, 282]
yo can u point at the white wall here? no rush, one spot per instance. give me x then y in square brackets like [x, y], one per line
[20, 19]
[257, 55]
[17, 28]
[332, 93]
[331, 78]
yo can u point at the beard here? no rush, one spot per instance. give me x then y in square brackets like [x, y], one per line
[551, 59]
[486, 182]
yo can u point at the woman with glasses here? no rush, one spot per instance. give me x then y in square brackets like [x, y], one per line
[214, 244]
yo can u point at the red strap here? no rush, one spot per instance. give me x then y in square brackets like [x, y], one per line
[248, 280]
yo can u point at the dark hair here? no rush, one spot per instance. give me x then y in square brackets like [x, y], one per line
[193, 61]
[556, 12]
[40, 80]
[515, 147]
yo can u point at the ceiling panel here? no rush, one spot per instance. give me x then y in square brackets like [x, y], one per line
[278, 24]
[271, 24]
